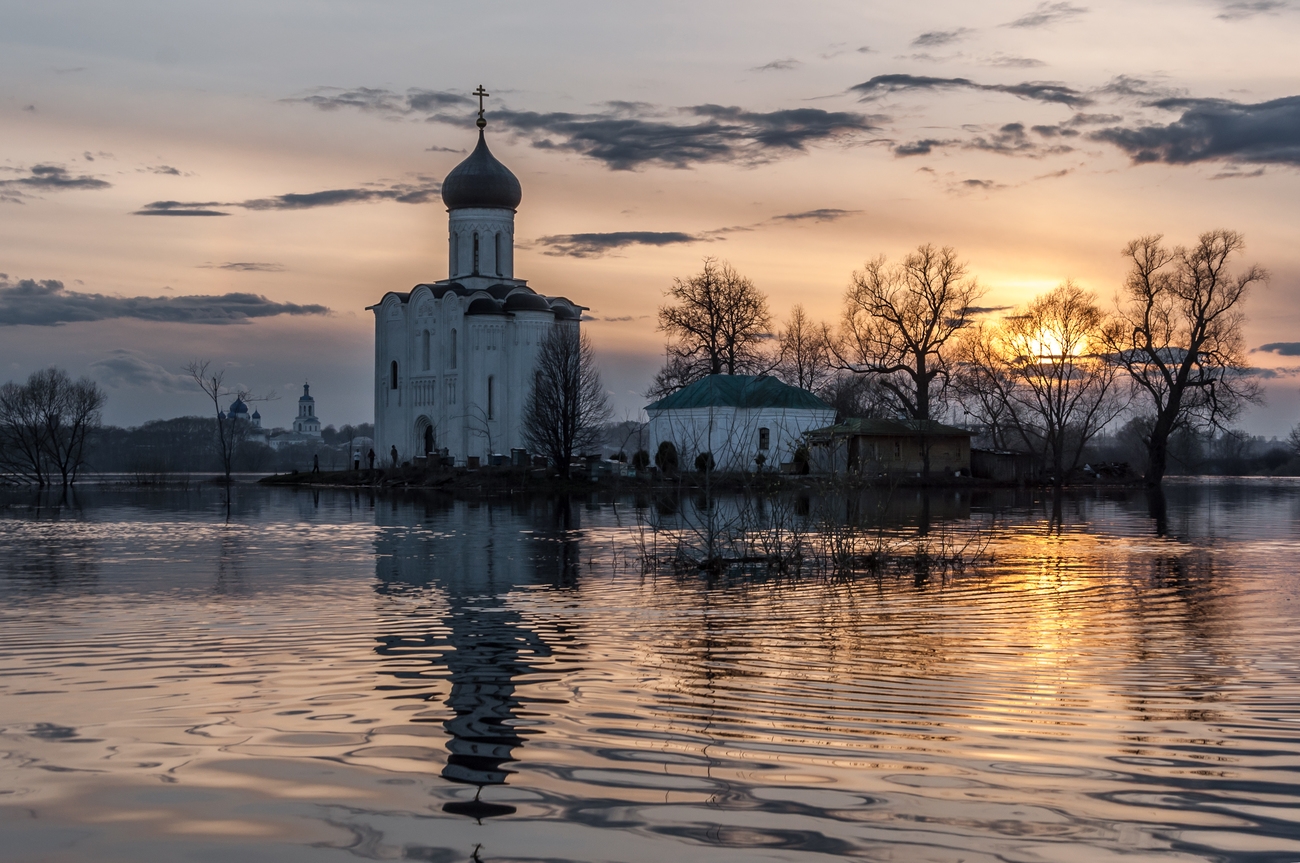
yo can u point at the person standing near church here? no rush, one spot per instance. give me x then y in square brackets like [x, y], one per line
[315, 463]
[394, 455]
[371, 456]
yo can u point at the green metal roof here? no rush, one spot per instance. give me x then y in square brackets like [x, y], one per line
[888, 428]
[739, 391]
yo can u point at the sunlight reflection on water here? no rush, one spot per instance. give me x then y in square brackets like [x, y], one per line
[334, 676]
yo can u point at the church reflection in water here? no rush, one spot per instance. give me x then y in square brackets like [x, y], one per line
[471, 558]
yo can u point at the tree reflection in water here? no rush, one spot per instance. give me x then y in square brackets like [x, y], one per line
[483, 647]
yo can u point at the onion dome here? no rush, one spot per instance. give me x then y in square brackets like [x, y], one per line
[481, 181]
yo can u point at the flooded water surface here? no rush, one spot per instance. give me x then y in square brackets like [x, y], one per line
[332, 676]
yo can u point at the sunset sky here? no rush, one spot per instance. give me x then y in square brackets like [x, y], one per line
[236, 181]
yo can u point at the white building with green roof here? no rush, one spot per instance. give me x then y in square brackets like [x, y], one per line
[736, 418]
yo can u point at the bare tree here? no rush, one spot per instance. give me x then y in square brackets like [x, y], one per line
[22, 435]
[805, 359]
[717, 324]
[567, 408]
[1293, 441]
[983, 384]
[69, 411]
[44, 425]
[1062, 386]
[229, 432]
[1178, 336]
[898, 321]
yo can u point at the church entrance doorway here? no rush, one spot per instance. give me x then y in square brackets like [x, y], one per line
[428, 440]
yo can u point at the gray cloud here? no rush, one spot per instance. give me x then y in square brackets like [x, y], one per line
[182, 208]
[1008, 140]
[424, 190]
[977, 186]
[1046, 14]
[123, 368]
[936, 38]
[1040, 91]
[164, 169]
[987, 310]
[1283, 349]
[630, 135]
[47, 178]
[596, 244]
[244, 267]
[46, 303]
[381, 101]
[1242, 9]
[1215, 130]
[779, 65]
[1012, 62]
[825, 214]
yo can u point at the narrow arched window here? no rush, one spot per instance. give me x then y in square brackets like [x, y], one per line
[451, 358]
[764, 438]
[476, 253]
[424, 349]
[490, 411]
[496, 252]
[455, 254]
[392, 376]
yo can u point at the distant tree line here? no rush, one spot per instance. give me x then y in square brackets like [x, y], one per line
[1166, 367]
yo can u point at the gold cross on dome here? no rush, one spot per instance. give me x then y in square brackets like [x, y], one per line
[480, 92]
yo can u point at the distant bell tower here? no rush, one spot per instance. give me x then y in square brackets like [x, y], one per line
[307, 422]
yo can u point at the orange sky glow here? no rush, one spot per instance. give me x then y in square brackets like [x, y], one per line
[1034, 138]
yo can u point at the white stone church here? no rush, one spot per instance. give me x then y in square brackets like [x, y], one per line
[454, 358]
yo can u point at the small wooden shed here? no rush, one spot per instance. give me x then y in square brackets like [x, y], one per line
[889, 446]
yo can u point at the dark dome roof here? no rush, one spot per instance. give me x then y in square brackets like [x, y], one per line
[481, 181]
[483, 306]
[565, 311]
[522, 301]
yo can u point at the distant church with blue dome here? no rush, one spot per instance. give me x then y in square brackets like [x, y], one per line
[454, 358]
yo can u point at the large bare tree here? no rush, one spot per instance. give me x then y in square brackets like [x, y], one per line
[717, 323]
[567, 407]
[899, 319]
[1061, 389]
[1178, 336]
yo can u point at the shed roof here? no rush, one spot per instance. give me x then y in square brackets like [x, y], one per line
[739, 391]
[865, 427]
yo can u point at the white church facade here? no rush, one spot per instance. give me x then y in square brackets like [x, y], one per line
[454, 358]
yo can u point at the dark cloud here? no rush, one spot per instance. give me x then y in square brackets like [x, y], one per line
[595, 245]
[380, 101]
[46, 303]
[987, 310]
[1242, 9]
[1046, 14]
[1008, 140]
[244, 267]
[181, 208]
[778, 65]
[936, 38]
[1040, 91]
[1134, 88]
[1283, 349]
[123, 368]
[425, 189]
[1215, 130]
[826, 214]
[629, 136]
[977, 186]
[164, 169]
[48, 178]
[436, 149]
